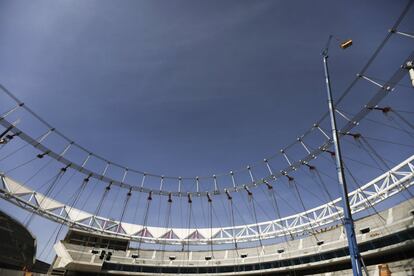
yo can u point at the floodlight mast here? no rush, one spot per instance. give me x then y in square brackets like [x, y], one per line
[348, 221]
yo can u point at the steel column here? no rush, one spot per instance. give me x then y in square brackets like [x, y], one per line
[348, 221]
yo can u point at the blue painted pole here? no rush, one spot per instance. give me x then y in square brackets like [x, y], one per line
[348, 221]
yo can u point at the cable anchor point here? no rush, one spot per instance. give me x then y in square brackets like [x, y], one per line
[409, 65]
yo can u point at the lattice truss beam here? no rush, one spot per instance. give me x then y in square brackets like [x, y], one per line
[396, 180]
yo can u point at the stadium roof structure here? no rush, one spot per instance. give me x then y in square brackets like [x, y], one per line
[17, 244]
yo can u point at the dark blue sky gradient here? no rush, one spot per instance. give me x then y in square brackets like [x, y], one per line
[183, 88]
[193, 87]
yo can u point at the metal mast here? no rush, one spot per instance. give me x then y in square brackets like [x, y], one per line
[348, 221]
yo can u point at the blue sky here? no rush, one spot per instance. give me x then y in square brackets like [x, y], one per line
[191, 88]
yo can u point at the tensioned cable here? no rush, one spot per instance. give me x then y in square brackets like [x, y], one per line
[181, 217]
[21, 165]
[357, 183]
[96, 213]
[134, 218]
[91, 220]
[270, 214]
[48, 182]
[190, 208]
[37, 140]
[257, 202]
[128, 197]
[241, 217]
[14, 151]
[368, 148]
[318, 173]
[236, 248]
[210, 205]
[378, 167]
[78, 194]
[361, 163]
[144, 230]
[291, 166]
[402, 118]
[46, 165]
[247, 210]
[403, 111]
[390, 126]
[259, 232]
[10, 111]
[373, 102]
[365, 196]
[60, 226]
[89, 237]
[275, 206]
[76, 197]
[167, 226]
[38, 171]
[217, 218]
[101, 201]
[230, 200]
[304, 210]
[397, 84]
[392, 119]
[315, 176]
[48, 242]
[347, 90]
[364, 143]
[388, 142]
[386, 114]
[159, 210]
[259, 236]
[359, 145]
[309, 191]
[312, 232]
[251, 212]
[112, 209]
[62, 187]
[224, 209]
[253, 225]
[253, 202]
[49, 189]
[287, 203]
[203, 213]
[382, 160]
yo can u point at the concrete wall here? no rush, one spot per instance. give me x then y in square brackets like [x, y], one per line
[396, 219]
[401, 268]
[8, 272]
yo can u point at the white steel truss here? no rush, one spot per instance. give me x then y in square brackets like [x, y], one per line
[396, 180]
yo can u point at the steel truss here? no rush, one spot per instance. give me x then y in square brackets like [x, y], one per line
[396, 180]
[382, 92]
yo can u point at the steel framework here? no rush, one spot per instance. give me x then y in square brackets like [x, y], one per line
[381, 93]
[396, 180]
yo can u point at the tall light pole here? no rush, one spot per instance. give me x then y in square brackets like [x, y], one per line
[348, 221]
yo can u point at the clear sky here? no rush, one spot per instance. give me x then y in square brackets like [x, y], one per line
[190, 87]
